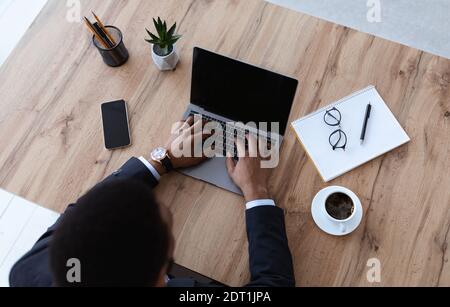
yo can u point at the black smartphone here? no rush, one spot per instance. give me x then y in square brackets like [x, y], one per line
[115, 124]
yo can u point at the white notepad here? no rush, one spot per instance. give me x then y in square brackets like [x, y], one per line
[384, 134]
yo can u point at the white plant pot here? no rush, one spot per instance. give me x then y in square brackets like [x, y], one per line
[168, 62]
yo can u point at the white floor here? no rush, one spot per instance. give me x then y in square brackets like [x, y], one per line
[15, 18]
[21, 224]
[423, 24]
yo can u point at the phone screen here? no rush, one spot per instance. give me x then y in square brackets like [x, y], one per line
[115, 124]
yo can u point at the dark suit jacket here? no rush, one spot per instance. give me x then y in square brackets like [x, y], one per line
[270, 258]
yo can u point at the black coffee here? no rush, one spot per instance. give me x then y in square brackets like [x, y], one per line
[340, 206]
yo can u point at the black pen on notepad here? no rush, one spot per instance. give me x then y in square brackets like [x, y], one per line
[366, 122]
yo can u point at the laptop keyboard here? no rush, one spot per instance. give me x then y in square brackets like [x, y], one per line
[238, 132]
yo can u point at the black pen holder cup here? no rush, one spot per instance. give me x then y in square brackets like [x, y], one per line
[117, 55]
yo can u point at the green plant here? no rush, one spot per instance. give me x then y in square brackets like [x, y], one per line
[165, 40]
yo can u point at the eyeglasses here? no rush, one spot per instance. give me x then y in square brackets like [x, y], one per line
[338, 139]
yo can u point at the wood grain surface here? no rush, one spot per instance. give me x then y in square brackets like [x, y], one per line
[52, 147]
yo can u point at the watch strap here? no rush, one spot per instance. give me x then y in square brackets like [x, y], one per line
[167, 164]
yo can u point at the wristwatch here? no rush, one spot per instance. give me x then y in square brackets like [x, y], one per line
[161, 155]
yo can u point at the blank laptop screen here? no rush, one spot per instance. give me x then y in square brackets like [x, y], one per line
[239, 91]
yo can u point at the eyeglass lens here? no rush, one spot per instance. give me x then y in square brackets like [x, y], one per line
[333, 117]
[338, 139]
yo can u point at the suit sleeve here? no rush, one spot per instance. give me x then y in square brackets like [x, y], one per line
[133, 169]
[270, 258]
[33, 269]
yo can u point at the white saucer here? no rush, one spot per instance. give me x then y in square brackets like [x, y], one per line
[328, 226]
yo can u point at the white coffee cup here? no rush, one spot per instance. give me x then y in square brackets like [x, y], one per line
[341, 222]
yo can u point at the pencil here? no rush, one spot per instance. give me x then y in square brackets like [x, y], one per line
[96, 34]
[102, 26]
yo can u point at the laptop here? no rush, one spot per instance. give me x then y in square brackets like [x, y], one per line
[228, 91]
[178, 276]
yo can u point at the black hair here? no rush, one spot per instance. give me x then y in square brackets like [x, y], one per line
[117, 234]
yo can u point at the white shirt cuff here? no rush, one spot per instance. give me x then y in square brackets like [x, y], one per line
[150, 168]
[260, 203]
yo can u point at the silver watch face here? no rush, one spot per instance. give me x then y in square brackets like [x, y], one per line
[159, 154]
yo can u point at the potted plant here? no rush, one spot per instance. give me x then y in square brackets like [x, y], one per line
[164, 51]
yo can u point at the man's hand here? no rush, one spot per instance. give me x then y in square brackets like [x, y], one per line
[184, 134]
[247, 173]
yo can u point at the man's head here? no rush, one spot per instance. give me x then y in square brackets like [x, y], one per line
[120, 235]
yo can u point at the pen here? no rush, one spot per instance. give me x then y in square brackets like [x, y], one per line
[103, 35]
[102, 26]
[96, 34]
[366, 121]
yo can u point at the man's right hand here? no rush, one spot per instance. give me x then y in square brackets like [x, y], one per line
[184, 134]
[247, 173]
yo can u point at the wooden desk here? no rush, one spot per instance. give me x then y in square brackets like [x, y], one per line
[52, 146]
